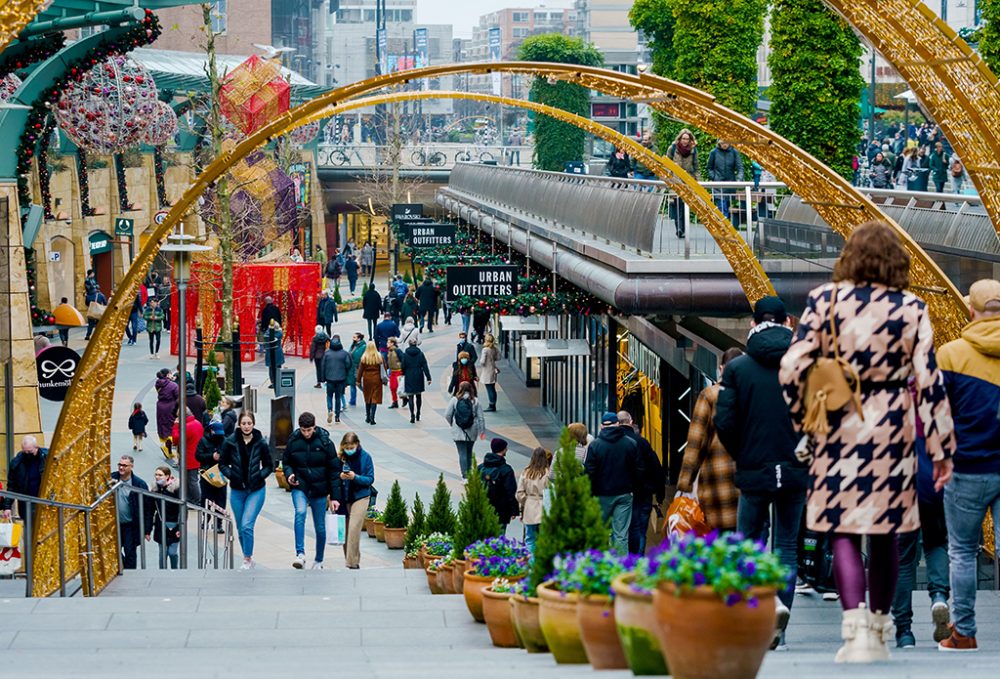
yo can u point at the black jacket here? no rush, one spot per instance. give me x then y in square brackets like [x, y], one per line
[229, 421]
[427, 296]
[156, 512]
[268, 313]
[133, 500]
[415, 369]
[137, 422]
[752, 417]
[314, 463]
[17, 477]
[612, 463]
[372, 304]
[207, 447]
[326, 311]
[619, 167]
[499, 476]
[468, 347]
[255, 457]
[651, 482]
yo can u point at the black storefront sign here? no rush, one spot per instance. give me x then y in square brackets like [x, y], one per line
[482, 282]
[405, 212]
[430, 235]
[56, 367]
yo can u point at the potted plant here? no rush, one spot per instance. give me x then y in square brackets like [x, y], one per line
[431, 570]
[497, 613]
[444, 580]
[440, 515]
[370, 517]
[437, 546]
[524, 615]
[415, 534]
[571, 523]
[714, 602]
[380, 527]
[588, 575]
[476, 520]
[635, 619]
[395, 518]
[487, 560]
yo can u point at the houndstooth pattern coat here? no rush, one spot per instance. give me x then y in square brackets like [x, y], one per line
[864, 472]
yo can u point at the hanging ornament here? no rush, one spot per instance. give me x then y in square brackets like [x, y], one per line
[254, 94]
[305, 134]
[8, 86]
[161, 125]
[107, 110]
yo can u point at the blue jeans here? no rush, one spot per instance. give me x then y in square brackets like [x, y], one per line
[531, 536]
[334, 404]
[752, 517]
[966, 499]
[722, 202]
[641, 509]
[617, 509]
[933, 537]
[354, 394]
[466, 322]
[301, 502]
[491, 392]
[246, 506]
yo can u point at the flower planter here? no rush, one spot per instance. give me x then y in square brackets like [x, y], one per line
[703, 638]
[432, 583]
[370, 527]
[411, 562]
[513, 622]
[473, 585]
[525, 613]
[496, 612]
[557, 617]
[395, 537]
[458, 575]
[380, 531]
[595, 615]
[635, 618]
[444, 579]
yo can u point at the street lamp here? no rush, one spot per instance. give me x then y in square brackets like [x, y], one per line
[182, 245]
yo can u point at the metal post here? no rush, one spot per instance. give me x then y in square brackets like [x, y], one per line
[237, 377]
[29, 549]
[871, 101]
[750, 209]
[163, 534]
[62, 552]
[199, 358]
[118, 533]
[687, 231]
[142, 531]
[88, 538]
[182, 417]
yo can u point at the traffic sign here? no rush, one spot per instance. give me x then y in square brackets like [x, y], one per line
[123, 226]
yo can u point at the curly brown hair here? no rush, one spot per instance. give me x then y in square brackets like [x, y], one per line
[874, 254]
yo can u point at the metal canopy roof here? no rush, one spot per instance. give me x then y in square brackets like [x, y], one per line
[59, 9]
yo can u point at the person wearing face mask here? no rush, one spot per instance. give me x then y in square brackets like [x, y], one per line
[358, 475]
[246, 461]
[465, 345]
[462, 370]
[163, 518]
[488, 363]
[357, 350]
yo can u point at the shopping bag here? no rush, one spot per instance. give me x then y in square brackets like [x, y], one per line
[95, 311]
[10, 534]
[684, 516]
[10, 560]
[336, 529]
[214, 477]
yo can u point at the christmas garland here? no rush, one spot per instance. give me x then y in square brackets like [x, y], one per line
[39, 316]
[43, 168]
[123, 204]
[33, 52]
[84, 180]
[158, 173]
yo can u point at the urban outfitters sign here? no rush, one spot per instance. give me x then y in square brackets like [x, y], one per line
[430, 235]
[405, 212]
[482, 282]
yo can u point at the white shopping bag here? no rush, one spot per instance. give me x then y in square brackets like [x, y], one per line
[10, 534]
[336, 529]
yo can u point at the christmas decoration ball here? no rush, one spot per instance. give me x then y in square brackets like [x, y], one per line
[161, 125]
[305, 134]
[8, 86]
[106, 111]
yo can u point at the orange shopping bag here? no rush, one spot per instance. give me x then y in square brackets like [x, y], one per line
[685, 516]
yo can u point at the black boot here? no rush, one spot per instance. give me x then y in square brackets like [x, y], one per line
[395, 404]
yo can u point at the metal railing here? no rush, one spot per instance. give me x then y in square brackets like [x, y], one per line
[208, 524]
[429, 156]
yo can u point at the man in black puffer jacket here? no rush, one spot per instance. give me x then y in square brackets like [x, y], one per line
[753, 424]
[313, 471]
[614, 469]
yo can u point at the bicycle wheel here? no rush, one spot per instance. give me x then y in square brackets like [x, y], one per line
[418, 158]
[437, 159]
[339, 158]
[485, 156]
[463, 157]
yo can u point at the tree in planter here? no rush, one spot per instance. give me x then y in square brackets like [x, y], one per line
[418, 526]
[394, 515]
[212, 393]
[573, 522]
[440, 516]
[815, 82]
[556, 142]
[477, 519]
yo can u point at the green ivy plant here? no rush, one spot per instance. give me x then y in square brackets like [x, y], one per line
[556, 142]
[656, 20]
[815, 82]
[989, 33]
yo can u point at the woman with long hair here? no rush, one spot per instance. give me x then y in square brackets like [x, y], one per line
[684, 152]
[246, 461]
[462, 370]
[531, 493]
[357, 476]
[372, 376]
[488, 360]
[465, 416]
[578, 430]
[163, 518]
[864, 467]
[415, 371]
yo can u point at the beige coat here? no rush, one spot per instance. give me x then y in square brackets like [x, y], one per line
[488, 365]
[529, 498]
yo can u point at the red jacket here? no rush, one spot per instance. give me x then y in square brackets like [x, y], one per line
[193, 433]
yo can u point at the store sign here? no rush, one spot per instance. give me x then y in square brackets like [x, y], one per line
[430, 235]
[160, 217]
[405, 212]
[99, 242]
[481, 282]
[56, 368]
[123, 226]
[643, 359]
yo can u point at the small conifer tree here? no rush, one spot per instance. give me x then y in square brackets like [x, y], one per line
[337, 297]
[418, 526]
[212, 393]
[477, 519]
[572, 522]
[394, 515]
[440, 516]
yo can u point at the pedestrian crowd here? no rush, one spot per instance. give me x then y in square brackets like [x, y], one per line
[918, 158]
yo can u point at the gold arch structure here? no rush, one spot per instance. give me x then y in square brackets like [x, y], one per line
[949, 78]
[15, 15]
[74, 473]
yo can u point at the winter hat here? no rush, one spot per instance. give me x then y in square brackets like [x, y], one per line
[769, 305]
[498, 445]
[216, 429]
[609, 418]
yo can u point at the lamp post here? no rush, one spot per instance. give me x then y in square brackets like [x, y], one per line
[182, 245]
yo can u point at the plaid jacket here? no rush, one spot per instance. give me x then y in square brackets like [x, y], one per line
[717, 492]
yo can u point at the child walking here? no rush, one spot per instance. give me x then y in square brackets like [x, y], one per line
[137, 422]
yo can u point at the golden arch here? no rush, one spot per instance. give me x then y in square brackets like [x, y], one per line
[950, 79]
[73, 473]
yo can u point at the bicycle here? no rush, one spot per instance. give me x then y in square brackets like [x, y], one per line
[342, 156]
[435, 159]
[465, 156]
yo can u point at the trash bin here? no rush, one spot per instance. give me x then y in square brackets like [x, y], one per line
[575, 167]
[916, 179]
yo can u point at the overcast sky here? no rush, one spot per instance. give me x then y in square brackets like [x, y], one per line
[464, 14]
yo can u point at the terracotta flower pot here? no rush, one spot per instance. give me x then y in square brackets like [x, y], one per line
[557, 616]
[525, 612]
[410, 562]
[473, 585]
[380, 531]
[595, 615]
[370, 527]
[513, 622]
[421, 555]
[395, 537]
[703, 638]
[458, 575]
[496, 612]
[635, 618]
[445, 580]
[432, 579]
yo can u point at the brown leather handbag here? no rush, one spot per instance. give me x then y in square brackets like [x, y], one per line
[831, 384]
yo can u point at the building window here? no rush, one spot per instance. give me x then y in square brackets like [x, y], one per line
[520, 32]
[520, 17]
[220, 16]
[541, 16]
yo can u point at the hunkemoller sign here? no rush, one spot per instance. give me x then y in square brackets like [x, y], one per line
[430, 235]
[483, 282]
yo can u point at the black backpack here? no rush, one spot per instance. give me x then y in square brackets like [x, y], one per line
[494, 489]
[465, 413]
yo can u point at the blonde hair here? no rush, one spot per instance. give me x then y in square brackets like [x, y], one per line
[371, 355]
[684, 131]
[489, 341]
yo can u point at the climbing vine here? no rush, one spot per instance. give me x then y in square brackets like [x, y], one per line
[989, 33]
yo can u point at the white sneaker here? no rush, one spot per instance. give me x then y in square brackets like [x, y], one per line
[247, 565]
[300, 561]
[831, 596]
[318, 566]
